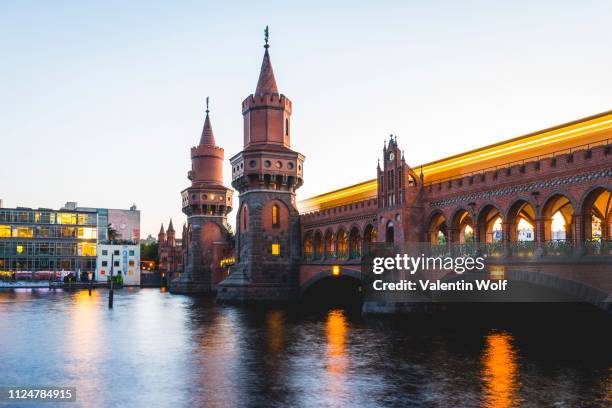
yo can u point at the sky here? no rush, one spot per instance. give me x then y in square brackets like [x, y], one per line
[101, 101]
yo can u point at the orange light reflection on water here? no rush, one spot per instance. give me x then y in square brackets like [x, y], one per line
[336, 359]
[500, 372]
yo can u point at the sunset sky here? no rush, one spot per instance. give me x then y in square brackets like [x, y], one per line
[101, 101]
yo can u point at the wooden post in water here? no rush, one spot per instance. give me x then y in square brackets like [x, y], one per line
[110, 293]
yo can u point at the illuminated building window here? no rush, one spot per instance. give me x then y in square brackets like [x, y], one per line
[131, 263]
[275, 220]
[87, 233]
[20, 249]
[23, 232]
[275, 249]
[66, 218]
[5, 231]
[87, 249]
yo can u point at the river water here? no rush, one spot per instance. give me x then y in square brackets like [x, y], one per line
[154, 349]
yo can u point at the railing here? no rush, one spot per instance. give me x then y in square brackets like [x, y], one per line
[557, 247]
[496, 250]
[598, 247]
[570, 150]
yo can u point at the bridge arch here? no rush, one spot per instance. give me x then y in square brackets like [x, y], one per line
[355, 242]
[329, 244]
[308, 242]
[329, 274]
[369, 237]
[342, 243]
[489, 223]
[521, 220]
[596, 211]
[572, 288]
[437, 228]
[558, 211]
[462, 226]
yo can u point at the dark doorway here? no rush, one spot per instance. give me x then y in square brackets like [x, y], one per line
[390, 233]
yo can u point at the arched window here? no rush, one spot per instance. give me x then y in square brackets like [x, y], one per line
[286, 127]
[275, 219]
[390, 233]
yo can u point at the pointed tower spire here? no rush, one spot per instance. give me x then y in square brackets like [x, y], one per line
[170, 227]
[266, 83]
[208, 138]
[161, 230]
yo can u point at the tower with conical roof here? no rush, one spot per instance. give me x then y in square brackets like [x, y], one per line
[206, 202]
[267, 174]
[161, 235]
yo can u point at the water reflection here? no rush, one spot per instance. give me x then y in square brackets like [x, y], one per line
[500, 372]
[158, 349]
[84, 342]
[336, 360]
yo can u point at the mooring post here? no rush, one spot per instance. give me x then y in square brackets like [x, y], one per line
[110, 293]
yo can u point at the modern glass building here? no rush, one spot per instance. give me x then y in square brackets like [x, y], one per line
[41, 241]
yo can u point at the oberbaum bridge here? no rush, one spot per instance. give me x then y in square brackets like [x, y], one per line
[537, 206]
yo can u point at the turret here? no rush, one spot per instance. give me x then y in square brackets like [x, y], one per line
[161, 236]
[171, 235]
[207, 195]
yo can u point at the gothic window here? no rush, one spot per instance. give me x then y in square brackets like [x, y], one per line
[286, 127]
[275, 219]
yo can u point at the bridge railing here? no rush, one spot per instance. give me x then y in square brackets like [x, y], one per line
[497, 250]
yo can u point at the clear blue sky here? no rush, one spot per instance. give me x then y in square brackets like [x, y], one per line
[101, 101]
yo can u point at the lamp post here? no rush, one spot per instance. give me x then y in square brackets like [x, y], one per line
[110, 293]
[90, 277]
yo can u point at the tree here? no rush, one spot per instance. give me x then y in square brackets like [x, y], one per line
[112, 233]
[148, 252]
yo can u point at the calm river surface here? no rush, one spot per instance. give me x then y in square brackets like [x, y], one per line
[155, 349]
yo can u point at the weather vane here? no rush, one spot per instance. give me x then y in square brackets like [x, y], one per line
[207, 105]
[266, 36]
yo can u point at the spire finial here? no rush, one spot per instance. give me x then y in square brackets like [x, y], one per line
[267, 37]
[207, 105]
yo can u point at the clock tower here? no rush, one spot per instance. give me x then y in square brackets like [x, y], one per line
[266, 173]
[399, 191]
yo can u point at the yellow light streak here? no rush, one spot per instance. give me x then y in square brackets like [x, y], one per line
[515, 149]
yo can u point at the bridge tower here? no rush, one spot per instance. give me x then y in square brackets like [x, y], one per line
[399, 198]
[266, 174]
[206, 203]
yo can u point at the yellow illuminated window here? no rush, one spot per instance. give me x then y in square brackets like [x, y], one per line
[87, 249]
[130, 272]
[275, 222]
[66, 218]
[88, 233]
[82, 219]
[275, 249]
[5, 231]
[131, 263]
[23, 232]
[20, 249]
[37, 217]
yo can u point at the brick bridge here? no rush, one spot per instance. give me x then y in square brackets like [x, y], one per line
[545, 218]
